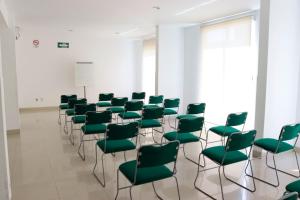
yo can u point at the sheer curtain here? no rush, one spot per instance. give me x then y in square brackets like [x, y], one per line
[148, 68]
[228, 69]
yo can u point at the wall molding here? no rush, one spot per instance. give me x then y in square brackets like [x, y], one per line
[13, 131]
[37, 109]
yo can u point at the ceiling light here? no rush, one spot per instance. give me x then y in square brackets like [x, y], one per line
[156, 7]
[195, 7]
[126, 32]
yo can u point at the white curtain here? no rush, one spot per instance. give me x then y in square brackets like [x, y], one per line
[228, 69]
[149, 65]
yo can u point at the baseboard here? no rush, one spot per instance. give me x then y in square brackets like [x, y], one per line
[38, 109]
[13, 131]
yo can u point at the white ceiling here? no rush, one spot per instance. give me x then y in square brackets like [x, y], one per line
[137, 17]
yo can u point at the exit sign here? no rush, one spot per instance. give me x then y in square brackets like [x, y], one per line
[63, 45]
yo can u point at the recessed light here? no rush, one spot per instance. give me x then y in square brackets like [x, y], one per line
[156, 7]
[126, 32]
[195, 7]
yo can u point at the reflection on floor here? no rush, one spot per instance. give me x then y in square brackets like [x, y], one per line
[45, 166]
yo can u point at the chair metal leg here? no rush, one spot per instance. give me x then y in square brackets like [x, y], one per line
[159, 197]
[117, 185]
[220, 179]
[130, 193]
[285, 172]
[170, 124]
[71, 136]
[264, 181]
[191, 160]
[66, 124]
[82, 156]
[250, 190]
[59, 116]
[102, 161]
[177, 187]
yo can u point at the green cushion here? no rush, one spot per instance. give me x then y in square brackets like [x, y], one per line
[150, 106]
[169, 111]
[64, 106]
[130, 115]
[116, 109]
[78, 119]
[93, 128]
[70, 112]
[216, 154]
[224, 130]
[103, 104]
[149, 123]
[270, 144]
[294, 187]
[146, 174]
[182, 137]
[186, 116]
[115, 145]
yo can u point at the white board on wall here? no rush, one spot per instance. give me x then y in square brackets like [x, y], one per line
[84, 74]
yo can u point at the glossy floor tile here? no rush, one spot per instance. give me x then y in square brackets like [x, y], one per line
[45, 166]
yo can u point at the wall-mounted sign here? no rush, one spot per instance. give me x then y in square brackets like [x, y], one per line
[63, 45]
[36, 43]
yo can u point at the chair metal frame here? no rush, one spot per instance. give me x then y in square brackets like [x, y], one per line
[137, 111]
[274, 163]
[102, 160]
[59, 109]
[223, 168]
[173, 108]
[154, 189]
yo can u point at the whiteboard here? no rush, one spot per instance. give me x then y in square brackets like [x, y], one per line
[84, 74]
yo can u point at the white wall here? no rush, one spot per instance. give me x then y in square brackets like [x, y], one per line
[170, 61]
[191, 83]
[47, 72]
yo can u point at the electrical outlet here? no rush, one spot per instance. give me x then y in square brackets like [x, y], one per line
[36, 99]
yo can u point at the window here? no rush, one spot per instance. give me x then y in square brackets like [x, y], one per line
[228, 69]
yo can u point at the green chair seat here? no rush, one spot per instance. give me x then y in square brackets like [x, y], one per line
[70, 112]
[93, 128]
[78, 119]
[149, 123]
[150, 106]
[181, 137]
[270, 144]
[224, 130]
[115, 145]
[169, 111]
[64, 106]
[293, 187]
[103, 104]
[217, 153]
[130, 115]
[145, 174]
[186, 116]
[116, 109]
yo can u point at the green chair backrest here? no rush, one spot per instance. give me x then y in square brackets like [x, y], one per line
[171, 103]
[290, 196]
[190, 124]
[289, 132]
[134, 105]
[236, 119]
[156, 99]
[138, 95]
[81, 109]
[122, 131]
[157, 155]
[119, 101]
[65, 98]
[196, 108]
[153, 113]
[98, 117]
[73, 102]
[239, 141]
[106, 96]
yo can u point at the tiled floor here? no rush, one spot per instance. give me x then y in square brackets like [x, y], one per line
[45, 166]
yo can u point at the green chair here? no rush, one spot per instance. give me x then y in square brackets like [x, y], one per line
[234, 151]
[95, 123]
[71, 111]
[105, 100]
[64, 105]
[234, 120]
[79, 117]
[193, 110]
[138, 96]
[132, 110]
[171, 107]
[118, 138]
[155, 101]
[152, 119]
[117, 105]
[276, 146]
[293, 187]
[290, 196]
[185, 133]
[152, 164]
